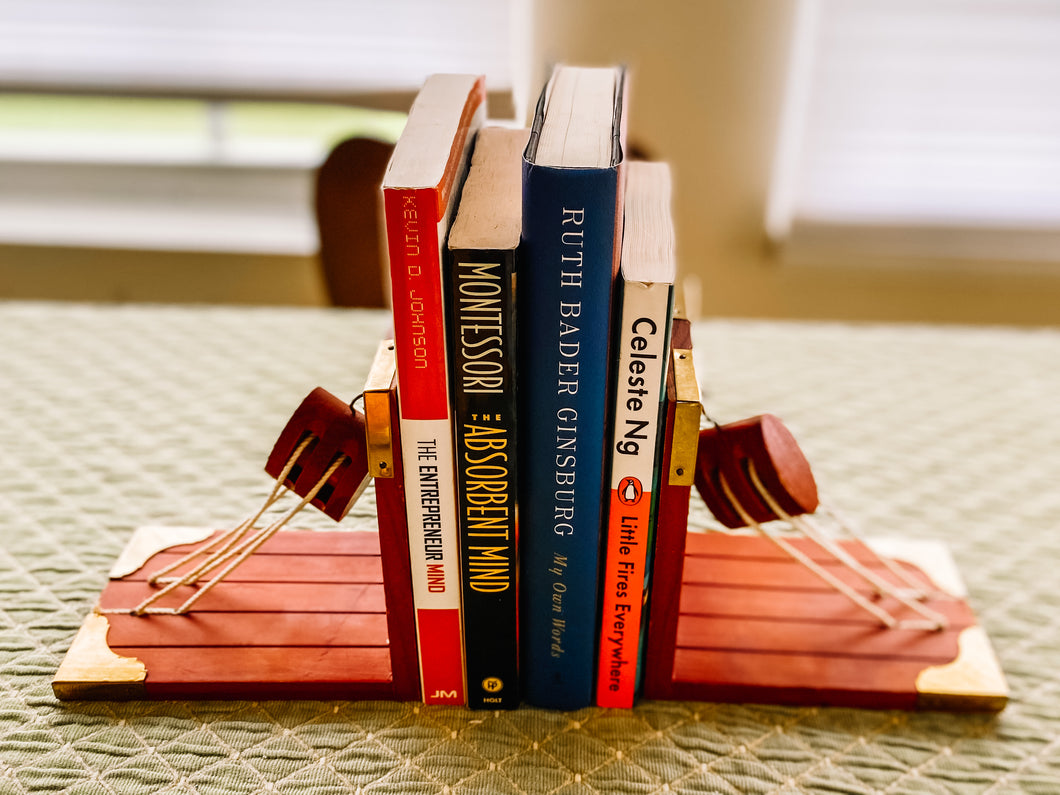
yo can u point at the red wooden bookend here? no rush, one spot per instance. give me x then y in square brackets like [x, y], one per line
[311, 614]
[738, 618]
[726, 453]
[333, 429]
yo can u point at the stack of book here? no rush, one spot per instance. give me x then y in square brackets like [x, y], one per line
[532, 420]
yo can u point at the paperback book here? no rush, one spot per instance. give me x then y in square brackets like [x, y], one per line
[420, 191]
[483, 244]
[646, 289]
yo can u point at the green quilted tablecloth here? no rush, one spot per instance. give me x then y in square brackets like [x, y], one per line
[112, 417]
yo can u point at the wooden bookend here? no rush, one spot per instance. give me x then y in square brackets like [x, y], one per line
[755, 624]
[683, 410]
[381, 413]
[304, 617]
[324, 615]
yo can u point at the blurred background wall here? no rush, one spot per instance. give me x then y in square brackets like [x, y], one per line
[707, 93]
[710, 85]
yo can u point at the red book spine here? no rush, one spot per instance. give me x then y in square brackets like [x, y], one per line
[419, 198]
[414, 230]
[416, 279]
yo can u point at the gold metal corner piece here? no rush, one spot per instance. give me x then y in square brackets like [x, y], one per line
[148, 540]
[91, 670]
[686, 419]
[974, 681]
[377, 412]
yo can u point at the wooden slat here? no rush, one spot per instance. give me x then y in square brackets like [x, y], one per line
[787, 573]
[202, 630]
[795, 679]
[273, 672]
[309, 542]
[262, 664]
[866, 642]
[819, 606]
[278, 568]
[256, 597]
[755, 547]
[347, 690]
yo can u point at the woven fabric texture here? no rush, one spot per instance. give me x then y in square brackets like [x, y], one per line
[113, 417]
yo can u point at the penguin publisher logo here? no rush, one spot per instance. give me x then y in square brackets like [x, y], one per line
[630, 491]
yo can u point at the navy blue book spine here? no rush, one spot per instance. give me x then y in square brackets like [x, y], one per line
[565, 286]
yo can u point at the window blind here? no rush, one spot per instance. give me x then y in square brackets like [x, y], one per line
[921, 114]
[151, 178]
[245, 47]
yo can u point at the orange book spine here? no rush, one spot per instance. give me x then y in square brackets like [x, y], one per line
[640, 391]
[628, 540]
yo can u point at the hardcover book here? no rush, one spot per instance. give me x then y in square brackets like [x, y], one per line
[572, 186]
[645, 288]
[420, 191]
[481, 294]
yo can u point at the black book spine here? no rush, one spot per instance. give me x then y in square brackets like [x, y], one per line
[482, 381]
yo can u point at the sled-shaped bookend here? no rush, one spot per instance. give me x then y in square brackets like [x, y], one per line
[794, 620]
[308, 615]
[305, 617]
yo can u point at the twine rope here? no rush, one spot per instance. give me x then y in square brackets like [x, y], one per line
[231, 547]
[810, 529]
[883, 616]
[230, 537]
[847, 526]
